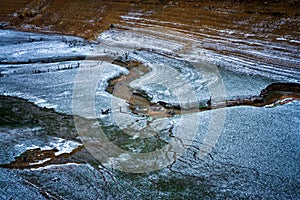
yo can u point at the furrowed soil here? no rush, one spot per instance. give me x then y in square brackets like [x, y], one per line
[87, 19]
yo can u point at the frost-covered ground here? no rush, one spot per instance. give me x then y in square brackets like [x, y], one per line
[20, 140]
[237, 152]
[256, 156]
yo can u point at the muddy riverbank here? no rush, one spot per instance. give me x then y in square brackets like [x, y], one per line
[141, 103]
[88, 19]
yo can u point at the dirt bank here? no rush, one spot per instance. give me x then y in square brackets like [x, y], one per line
[87, 19]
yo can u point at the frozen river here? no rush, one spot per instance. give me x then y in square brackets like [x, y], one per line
[243, 152]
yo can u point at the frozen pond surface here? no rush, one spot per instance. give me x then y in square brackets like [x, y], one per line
[230, 152]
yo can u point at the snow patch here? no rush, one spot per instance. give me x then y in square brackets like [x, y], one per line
[63, 146]
[40, 162]
[281, 39]
[55, 166]
[280, 102]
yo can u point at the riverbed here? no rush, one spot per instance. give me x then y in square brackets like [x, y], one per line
[165, 132]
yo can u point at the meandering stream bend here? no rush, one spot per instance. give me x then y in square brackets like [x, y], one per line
[140, 103]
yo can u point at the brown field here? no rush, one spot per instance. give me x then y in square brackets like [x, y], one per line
[89, 18]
